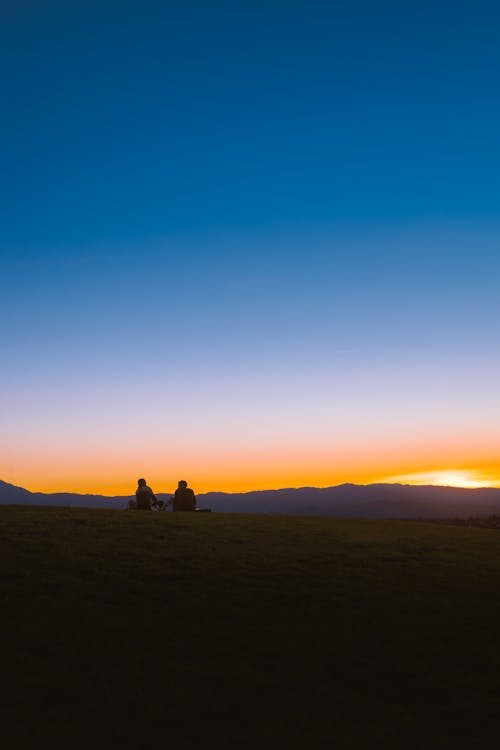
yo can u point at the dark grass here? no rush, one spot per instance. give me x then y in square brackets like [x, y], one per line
[136, 630]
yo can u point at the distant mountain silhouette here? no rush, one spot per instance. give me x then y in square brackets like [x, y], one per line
[345, 500]
[12, 495]
[363, 501]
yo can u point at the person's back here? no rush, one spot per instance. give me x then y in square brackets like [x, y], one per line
[184, 498]
[144, 496]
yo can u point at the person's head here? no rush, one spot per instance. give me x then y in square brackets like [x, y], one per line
[182, 484]
[141, 482]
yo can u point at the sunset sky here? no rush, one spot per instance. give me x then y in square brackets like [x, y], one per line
[249, 244]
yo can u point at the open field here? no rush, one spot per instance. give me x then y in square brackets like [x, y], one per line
[129, 630]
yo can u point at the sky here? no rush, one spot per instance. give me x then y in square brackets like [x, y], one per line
[249, 244]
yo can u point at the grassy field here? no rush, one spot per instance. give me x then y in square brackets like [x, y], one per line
[135, 630]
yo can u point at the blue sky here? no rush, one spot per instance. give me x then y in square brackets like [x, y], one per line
[130, 120]
[198, 196]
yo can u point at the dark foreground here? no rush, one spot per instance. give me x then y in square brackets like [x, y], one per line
[128, 630]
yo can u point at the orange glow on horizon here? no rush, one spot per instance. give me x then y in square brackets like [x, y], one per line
[237, 480]
[447, 478]
[111, 465]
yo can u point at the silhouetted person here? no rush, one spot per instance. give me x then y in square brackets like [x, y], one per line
[144, 496]
[184, 498]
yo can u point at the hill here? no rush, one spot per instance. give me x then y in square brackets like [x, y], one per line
[210, 630]
[363, 501]
[12, 495]
[343, 501]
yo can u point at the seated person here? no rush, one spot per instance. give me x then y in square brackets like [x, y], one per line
[184, 498]
[144, 496]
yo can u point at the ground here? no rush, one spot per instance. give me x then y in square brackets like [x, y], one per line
[141, 630]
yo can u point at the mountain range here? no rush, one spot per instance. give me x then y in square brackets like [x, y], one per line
[345, 501]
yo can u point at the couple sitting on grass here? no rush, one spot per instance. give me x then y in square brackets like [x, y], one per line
[184, 498]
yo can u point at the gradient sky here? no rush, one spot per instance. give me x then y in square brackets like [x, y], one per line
[252, 244]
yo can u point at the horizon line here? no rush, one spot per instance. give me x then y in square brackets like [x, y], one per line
[273, 489]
